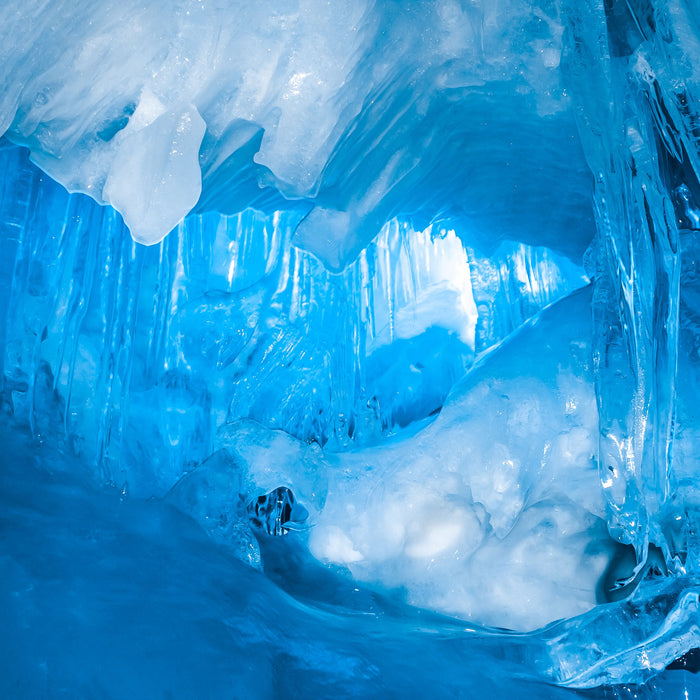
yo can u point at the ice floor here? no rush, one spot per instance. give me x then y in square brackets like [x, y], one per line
[104, 597]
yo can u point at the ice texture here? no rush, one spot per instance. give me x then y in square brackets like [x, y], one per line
[635, 85]
[341, 109]
[155, 173]
[150, 350]
[488, 513]
[411, 356]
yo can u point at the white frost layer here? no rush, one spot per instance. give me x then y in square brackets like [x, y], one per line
[126, 100]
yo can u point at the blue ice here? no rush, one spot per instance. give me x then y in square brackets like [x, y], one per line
[349, 349]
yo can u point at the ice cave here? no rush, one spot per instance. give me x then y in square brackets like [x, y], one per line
[350, 348]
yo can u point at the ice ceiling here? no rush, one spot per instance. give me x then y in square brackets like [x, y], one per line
[418, 291]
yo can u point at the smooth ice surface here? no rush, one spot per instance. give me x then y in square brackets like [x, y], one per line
[360, 369]
[155, 174]
[96, 583]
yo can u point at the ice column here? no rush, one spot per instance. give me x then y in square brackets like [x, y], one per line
[632, 88]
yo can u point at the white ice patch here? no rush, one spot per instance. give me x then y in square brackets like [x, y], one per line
[429, 279]
[335, 545]
[489, 513]
[154, 179]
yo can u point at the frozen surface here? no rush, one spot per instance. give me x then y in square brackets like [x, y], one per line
[381, 362]
[226, 305]
[636, 93]
[489, 513]
[342, 110]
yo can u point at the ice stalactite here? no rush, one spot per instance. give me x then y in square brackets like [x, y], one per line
[138, 354]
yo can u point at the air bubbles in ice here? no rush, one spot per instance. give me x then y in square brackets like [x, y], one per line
[277, 512]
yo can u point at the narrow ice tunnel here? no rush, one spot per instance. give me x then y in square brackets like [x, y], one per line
[349, 348]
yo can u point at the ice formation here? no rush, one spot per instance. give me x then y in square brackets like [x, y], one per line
[341, 109]
[415, 326]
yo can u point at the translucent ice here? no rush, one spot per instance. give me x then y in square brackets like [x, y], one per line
[493, 512]
[155, 170]
[362, 333]
[636, 95]
[227, 320]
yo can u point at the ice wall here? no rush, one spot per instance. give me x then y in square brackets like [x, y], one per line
[137, 355]
[335, 126]
[362, 201]
[630, 67]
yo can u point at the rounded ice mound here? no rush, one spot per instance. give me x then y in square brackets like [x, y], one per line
[248, 481]
[211, 495]
[493, 513]
[270, 461]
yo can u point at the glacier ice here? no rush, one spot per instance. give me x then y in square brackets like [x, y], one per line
[341, 110]
[401, 389]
